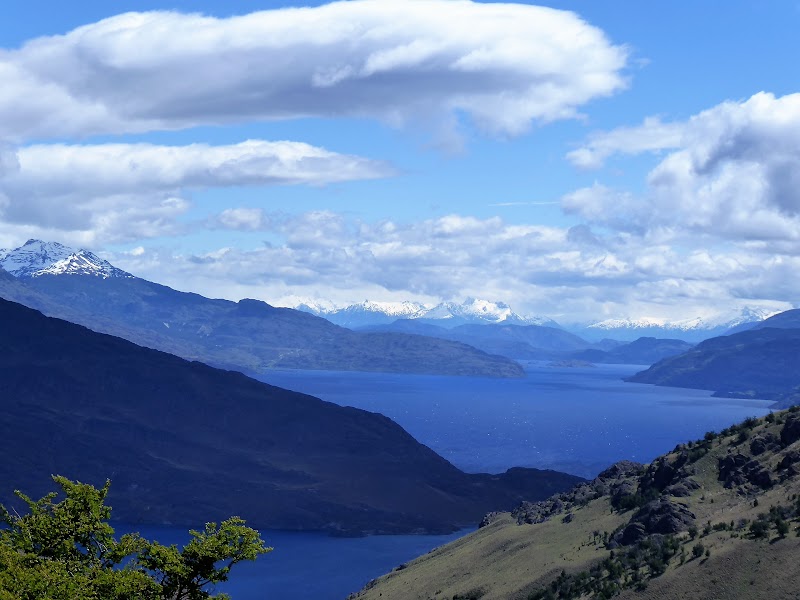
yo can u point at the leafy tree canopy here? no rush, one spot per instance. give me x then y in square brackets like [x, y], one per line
[65, 549]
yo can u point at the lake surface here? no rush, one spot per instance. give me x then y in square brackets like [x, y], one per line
[303, 566]
[578, 420]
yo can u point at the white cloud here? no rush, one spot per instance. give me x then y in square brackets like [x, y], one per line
[113, 192]
[505, 65]
[733, 172]
[563, 273]
[651, 136]
[242, 219]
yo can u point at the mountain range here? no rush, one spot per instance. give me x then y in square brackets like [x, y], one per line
[185, 443]
[446, 314]
[758, 363]
[689, 330]
[248, 335]
[449, 315]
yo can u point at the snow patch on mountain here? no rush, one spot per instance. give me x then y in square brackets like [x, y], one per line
[400, 310]
[472, 310]
[36, 258]
[721, 320]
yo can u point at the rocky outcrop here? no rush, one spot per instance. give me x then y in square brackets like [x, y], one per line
[767, 442]
[790, 464]
[619, 479]
[661, 516]
[738, 470]
[791, 429]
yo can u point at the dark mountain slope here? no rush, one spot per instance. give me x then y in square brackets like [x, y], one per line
[249, 335]
[644, 351]
[760, 363]
[530, 342]
[185, 442]
[789, 319]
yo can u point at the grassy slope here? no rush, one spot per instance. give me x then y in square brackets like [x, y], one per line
[509, 561]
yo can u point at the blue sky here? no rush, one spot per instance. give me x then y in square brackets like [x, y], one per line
[623, 159]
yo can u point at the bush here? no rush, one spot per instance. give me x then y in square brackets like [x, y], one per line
[698, 549]
[759, 529]
[66, 549]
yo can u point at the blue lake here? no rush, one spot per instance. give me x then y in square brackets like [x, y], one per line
[578, 420]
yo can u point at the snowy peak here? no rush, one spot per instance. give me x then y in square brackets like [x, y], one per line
[693, 330]
[447, 314]
[748, 314]
[400, 310]
[612, 324]
[36, 258]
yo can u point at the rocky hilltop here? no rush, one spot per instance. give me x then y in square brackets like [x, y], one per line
[716, 518]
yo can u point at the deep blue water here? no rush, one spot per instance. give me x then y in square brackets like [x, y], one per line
[578, 420]
[306, 566]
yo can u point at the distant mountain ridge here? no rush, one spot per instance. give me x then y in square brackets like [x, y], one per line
[248, 335]
[473, 311]
[689, 330]
[445, 314]
[520, 342]
[643, 351]
[763, 362]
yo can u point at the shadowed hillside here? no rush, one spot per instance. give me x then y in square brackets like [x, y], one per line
[249, 335]
[759, 363]
[184, 442]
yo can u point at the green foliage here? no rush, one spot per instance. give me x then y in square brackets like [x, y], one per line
[759, 529]
[636, 500]
[66, 549]
[698, 549]
[629, 568]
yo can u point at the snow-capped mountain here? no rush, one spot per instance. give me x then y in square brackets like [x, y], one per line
[446, 314]
[692, 330]
[36, 258]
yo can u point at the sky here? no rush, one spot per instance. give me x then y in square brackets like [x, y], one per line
[579, 160]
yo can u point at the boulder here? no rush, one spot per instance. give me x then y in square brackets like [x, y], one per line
[631, 534]
[683, 488]
[791, 429]
[789, 460]
[664, 516]
[738, 470]
[764, 442]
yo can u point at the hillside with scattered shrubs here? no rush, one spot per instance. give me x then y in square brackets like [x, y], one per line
[714, 518]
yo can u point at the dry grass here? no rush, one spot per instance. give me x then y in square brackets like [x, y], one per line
[508, 561]
[505, 560]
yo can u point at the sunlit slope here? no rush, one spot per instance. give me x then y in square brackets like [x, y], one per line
[712, 519]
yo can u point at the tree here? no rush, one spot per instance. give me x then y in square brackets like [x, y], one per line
[698, 549]
[66, 549]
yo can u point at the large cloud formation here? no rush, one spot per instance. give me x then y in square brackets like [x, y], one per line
[504, 65]
[565, 273]
[122, 192]
[730, 172]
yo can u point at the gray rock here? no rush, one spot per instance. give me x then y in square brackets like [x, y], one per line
[737, 470]
[789, 460]
[664, 516]
[765, 442]
[791, 429]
